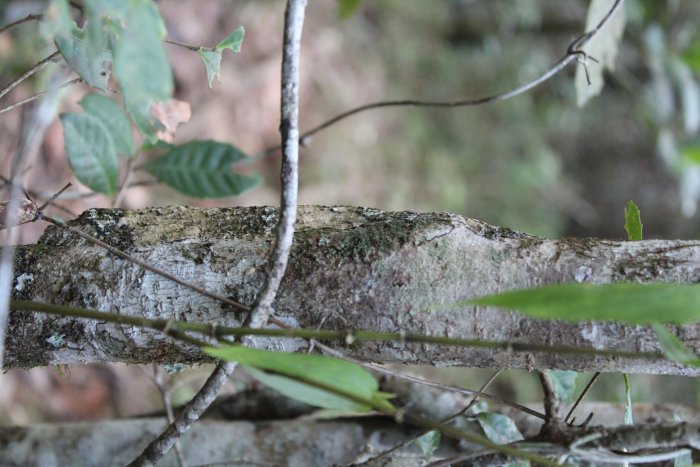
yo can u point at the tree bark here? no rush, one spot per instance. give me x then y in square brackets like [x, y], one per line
[350, 268]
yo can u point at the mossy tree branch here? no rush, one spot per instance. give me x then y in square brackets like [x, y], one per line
[350, 268]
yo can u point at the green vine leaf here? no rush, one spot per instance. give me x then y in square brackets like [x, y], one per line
[212, 58]
[630, 303]
[294, 375]
[202, 169]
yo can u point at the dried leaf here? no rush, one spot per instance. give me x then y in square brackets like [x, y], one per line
[170, 114]
[26, 212]
[602, 47]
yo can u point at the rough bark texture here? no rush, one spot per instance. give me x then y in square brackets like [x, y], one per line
[350, 267]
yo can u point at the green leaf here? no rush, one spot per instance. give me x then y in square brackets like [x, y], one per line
[564, 383]
[692, 56]
[233, 41]
[633, 222]
[306, 393]
[673, 348]
[329, 372]
[212, 58]
[202, 169]
[91, 152]
[57, 20]
[141, 64]
[691, 153]
[428, 443]
[212, 62]
[347, 7]
[93, 69]
[108, 112]
[628, 400]
[625, 302]
[498, 428]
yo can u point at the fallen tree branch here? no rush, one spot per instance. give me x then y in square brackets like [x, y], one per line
[350, 268]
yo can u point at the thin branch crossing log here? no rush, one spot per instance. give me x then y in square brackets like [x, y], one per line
[350, 268]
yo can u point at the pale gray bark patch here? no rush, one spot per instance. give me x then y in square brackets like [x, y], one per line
[293, 443]
[350, 268]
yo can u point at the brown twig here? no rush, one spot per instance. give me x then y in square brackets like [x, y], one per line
[26, 19]
[38, 67]
[568, 419]
[39, 94]
[289, 130]
[168, 406]
[573, 53]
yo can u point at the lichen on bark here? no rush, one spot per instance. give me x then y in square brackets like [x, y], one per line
[350, 268]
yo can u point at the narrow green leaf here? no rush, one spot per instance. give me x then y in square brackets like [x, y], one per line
[306, 393]
[329, 372]
[347, 7]
[633, 222]
[108, 112]
[673, 348]
[91, 152]
[202, 169]
[498, 428]
[141, 64]
[629, 420]
[564, 384]
[625, 302]
[212, 58]
[428, 443]
[233, 41]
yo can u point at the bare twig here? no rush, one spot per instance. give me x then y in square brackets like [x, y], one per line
[193, 48]
[26, 19]
[38, 67]
[573, 53]
[293, 23]
[34, 194]
[168, 405]
[38, 95]
[588, 387]
[471, 403]
[190, 414]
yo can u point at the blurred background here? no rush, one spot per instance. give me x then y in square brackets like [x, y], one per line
[536, 163]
